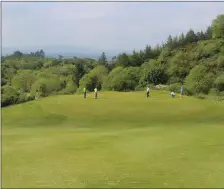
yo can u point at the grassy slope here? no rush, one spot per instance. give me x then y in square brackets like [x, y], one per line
[119, 140]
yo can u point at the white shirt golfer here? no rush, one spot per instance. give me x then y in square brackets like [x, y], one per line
[95, 92]
[147, 90]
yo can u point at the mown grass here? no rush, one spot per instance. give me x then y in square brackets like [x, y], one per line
[118, 140]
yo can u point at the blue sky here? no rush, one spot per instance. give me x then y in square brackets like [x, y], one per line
[101, 26]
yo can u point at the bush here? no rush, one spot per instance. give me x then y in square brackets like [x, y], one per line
[199, 81]
[122, 79]
[220, 61]
[219, 83]
[70, 88]
[175, 87]
[200, 96]
[23, 80]
[152, 72]
[3, 82]
[94, 78]
[179, 66]
[22, 98]
[45, 86]
[213, 92]
[139, 88]
[10, 96]
[161, 87]
[30, 97]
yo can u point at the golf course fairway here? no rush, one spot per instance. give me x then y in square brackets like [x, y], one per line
[119, 140]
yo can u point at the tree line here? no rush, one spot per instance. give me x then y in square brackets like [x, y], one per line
[194, 60]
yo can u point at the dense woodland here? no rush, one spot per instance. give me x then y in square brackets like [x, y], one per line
[194, 60]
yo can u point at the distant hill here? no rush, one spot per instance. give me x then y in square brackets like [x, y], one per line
[65, 51]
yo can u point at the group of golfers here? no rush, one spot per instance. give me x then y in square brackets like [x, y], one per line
[172, 94]
[95, 93]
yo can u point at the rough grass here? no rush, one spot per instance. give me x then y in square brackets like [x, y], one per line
[118, 140]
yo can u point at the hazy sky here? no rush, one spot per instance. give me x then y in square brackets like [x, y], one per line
[102, 26]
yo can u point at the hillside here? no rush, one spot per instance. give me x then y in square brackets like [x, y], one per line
[194, 60]
[119, 140]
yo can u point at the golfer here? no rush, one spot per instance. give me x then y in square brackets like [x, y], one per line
[147, 92]
[95, 93]
[172, 94]
[84, 90]
[181, 92]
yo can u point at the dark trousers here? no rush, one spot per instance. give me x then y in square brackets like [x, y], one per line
[96, 95]
[84, 94]
[147, 94]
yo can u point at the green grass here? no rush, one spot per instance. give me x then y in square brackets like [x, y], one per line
[119, 140]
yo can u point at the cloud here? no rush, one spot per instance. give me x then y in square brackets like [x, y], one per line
[110, 26]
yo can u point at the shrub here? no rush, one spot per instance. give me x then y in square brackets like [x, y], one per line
[70, 88]
[122, 79]
[161, 87]
[139, 88]
[200, 96]
[199, 81]
[94, 78]
[213, 92]
[219, 83]
[23, 80]
[152, 72]
[3, 82]
[175, 87]
[9, 96]
[22, 98]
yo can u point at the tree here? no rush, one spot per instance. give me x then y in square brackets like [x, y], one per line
[200, 36]
[191, 37]
[60, 56]
[122, 79]
[123, 60]
[169, 42]
[208, 33]
[218, 27]
[9, 96]
[175, 42]
[23, 80]
[17, 54]
[219, 83]
[220, 62]
[46, 86]
[94, 78]
[42, 54]
[147, 52]
[136, 59]
[152, 72]
[179, 67]
[103, 59]
[156, 52]
[199, 80]
[78, 71]
[182, 40]
[113, 61]
[163, 57]
[70, 86]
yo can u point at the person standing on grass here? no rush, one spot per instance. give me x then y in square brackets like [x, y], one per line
[95, 93]
[84, 90]
[181, 92]
[147, 92]
[172, 94]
